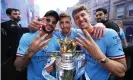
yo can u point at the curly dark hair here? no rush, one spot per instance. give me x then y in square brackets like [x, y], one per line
[9, 10]
[102, 9]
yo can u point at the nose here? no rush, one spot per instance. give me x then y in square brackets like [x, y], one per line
[80, 18]
[18, 15]
[64, 24]
[98, 16]
[50, 22]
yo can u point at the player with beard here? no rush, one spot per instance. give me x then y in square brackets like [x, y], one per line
[102, 15]
[10, 36]
[34, 48]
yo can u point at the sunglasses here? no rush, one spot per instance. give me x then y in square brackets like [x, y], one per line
[48, 20]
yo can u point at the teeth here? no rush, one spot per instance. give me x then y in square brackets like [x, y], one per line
[49, 28]
[82, 23]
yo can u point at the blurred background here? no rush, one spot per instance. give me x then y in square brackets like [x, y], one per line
[117, 10]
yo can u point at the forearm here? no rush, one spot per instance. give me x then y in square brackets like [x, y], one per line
[124, 42]
[114, 66]
[32, 30]
[21, 62]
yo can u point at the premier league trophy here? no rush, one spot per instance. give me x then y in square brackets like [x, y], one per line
[66, 61]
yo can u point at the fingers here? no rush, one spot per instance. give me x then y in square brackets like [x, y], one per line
[80, 42]
[87, 34]
[38, 35]
[43, 19]
[43, 37]
[83, 38]
[42, 44]
[101, 33]
[37, 27]
[99, 30]
[50, 68]
[96, 32]
[37, 23]
[56, 29]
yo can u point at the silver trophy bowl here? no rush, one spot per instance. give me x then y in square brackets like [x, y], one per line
[65, 66]
[66, 61]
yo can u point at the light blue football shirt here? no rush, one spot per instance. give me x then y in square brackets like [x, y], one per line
[71, 36]
[39, 59]
[122, 34]
[110, 45]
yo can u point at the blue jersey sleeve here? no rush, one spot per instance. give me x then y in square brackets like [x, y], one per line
[23, 45]
[56, 33]
[113, 43]
[122, 34]
[78, 31]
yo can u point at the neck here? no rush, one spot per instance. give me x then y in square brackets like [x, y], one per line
[49, 35]
[67, 33]
[14, 20]
[90, 28]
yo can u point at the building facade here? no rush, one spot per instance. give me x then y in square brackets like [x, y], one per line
[123, 10]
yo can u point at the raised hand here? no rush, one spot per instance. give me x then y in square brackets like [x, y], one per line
[89, 44]
[50, 68]
[38, 42]
[37, 23]
[98, 30]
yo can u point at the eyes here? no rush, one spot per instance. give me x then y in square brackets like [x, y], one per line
[100, 14]
[16, 13]
[81, 15]
[67, 22]
[49, 20]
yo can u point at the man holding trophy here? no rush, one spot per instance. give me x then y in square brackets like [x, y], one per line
[34, 48]
[105, 56]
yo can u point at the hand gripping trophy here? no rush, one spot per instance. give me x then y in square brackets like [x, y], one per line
[66, 61]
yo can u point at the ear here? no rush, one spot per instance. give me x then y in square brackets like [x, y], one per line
[106, 15]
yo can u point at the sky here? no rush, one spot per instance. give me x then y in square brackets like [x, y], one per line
[45, 5]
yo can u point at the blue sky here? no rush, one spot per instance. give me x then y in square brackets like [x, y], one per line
[46, 5]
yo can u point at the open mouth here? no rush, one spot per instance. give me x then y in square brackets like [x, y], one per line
[82, 23]
[49, 28]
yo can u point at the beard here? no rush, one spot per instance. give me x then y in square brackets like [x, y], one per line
[44, 29]
[16, 19]
[101, 20]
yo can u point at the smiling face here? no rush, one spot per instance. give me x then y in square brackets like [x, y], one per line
[82, 19]
[15, 15]
[50, 25]
[100, 16]
[65, 25]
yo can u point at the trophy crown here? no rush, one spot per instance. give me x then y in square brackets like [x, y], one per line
[67, 46]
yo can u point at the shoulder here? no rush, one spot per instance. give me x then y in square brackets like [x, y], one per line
[77, 31]
[4, 23]
[109, 32]
[111, 37]
[28, 36]
[54, 38]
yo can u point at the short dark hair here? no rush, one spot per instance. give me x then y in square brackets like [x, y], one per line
[52, 13]
[64, 14]
[79, 8]
[9, 10]
[102, 9]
